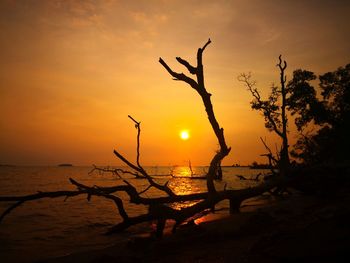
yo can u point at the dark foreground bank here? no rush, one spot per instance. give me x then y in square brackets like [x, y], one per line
[297, 228]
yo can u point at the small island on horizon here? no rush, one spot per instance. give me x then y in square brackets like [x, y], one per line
[65, 164]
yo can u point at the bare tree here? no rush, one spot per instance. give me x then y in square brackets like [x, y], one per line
[274, 112]
[158, 206]
[199, 86]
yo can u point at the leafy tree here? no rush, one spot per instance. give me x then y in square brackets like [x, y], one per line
[302, 101]
[331, 142]
[330, 114]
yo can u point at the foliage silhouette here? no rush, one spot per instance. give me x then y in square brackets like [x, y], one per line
[330, 115]
[331, 142]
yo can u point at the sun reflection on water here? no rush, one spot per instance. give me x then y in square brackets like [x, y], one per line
[183, 171]
[183, 185]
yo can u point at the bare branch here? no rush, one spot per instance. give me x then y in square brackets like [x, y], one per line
[131, 221]
[179, 76]
[122, 158]
[12, 207]
[200, 52]
[22, 199]
[115, 171]
[261, 105]
[145, 190]
[190, 68]
[158, 208]
[281, 67]
[136, 122]
[206, 44]
[219, 132]
[139, 168]
[269, 150]
[138, 127]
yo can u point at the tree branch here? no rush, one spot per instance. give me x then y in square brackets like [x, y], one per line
[206, 98]
[115, 171]
[179, 76]
[157, 206]
[137, 126]
[190, 68]
[267, 112]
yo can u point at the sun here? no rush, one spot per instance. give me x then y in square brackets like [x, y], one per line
[184, 135]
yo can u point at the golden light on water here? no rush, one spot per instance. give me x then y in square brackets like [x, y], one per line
[184, 135]
[183, 185]
[183, 171]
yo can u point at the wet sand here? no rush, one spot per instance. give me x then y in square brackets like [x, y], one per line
[296, 228]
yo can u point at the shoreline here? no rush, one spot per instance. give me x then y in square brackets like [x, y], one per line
[297, 228]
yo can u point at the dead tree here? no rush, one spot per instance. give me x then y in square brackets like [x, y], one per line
[199, 86]
[158, 207]
[274, 112]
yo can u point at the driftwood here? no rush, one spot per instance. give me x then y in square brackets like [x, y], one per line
[115, 171]
[256, 178]
[158, 207]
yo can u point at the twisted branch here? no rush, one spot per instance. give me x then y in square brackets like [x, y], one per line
[200, 88]
[158, 210]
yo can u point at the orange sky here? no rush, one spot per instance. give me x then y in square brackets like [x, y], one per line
[71, 72]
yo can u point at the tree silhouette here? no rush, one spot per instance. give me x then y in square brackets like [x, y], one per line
[331, 142]
[159, 208]
[274, 112]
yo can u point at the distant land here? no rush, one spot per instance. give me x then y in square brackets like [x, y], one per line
[238, 165]
[254, 165]
[65, 164]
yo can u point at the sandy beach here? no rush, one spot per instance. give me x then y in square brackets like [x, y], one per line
[296, 228]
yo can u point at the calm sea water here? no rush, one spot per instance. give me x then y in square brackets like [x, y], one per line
[54, 227]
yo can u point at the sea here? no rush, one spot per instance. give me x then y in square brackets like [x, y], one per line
[55, 227]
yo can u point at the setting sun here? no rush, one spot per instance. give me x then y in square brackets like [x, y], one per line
[184, 135]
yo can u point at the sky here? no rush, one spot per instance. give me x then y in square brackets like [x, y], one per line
[72, 71]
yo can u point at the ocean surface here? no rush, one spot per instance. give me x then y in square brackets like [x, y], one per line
[55, 227]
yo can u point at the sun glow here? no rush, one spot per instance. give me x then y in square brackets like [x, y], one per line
[184, 135]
